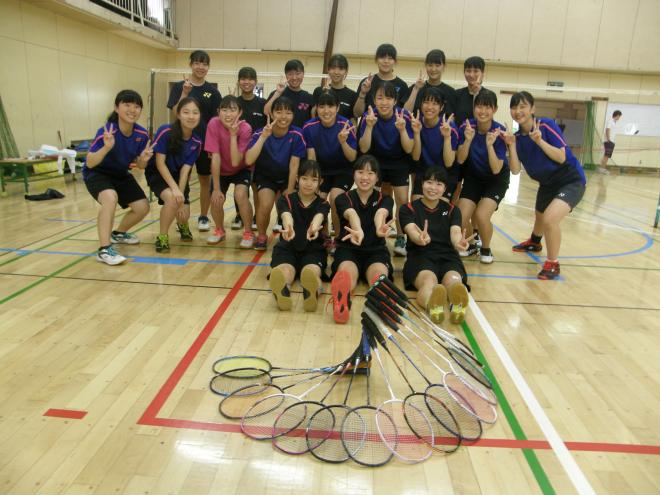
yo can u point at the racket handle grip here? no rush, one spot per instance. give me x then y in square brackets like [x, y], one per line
[371, 326]
[383, 314]
[394, 288]
[388, 292]
[380, 298]
[378, 322]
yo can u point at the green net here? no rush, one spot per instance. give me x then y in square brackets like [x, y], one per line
[8, 148]
[587, 157]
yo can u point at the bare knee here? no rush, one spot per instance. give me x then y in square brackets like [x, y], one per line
[140, 207]
[108, 197]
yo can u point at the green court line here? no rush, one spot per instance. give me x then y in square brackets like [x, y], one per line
[532, 460]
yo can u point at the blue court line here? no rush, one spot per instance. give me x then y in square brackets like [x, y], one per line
[137, 259]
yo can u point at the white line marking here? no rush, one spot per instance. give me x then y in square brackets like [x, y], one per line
[567, 461]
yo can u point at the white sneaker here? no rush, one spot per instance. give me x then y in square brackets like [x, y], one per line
[247, 242]
[277, 227]
[254, 225]
[237, 224]
[603, 170]
[477, 240]
[400, 246]
[109, 256]
[486, 259]
[217, 236]
[203, 224]
[124, 238]
[472, 250]
[392, 233]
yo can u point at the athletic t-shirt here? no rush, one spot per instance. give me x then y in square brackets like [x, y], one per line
[302, 219]
[253, 111]
[448, 92]
[540, 166]
[464, 108]
[302, 105]
[273, 161]
[186, 156]
[385, 137]
[433, 143]
[326, 144]
[346, 96]
[125, 151]
[366, 212]
[477, 161]
[440, 220]
[208, 97]
[218, 140]
[400, 87]
[612, 126]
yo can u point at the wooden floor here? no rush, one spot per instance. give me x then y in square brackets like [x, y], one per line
[104, 370]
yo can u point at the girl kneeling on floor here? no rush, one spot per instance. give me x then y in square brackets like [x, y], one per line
[176, 149]
[435, 236]
[300, 251]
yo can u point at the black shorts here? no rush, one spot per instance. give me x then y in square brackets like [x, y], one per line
[395, 172]
[157, 185]
[299, 259]
[126, 187]
[242, 178]
[343, 181]
[265, 182]
[494, 188]
[363, 259]
[419, 180]
[570, 193]
[203, 163]
[439, 265]
[609, 148]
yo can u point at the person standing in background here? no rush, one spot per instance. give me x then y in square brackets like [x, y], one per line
[610, 135]
[207, 95]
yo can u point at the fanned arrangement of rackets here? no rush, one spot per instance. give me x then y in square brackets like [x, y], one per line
[446, 401]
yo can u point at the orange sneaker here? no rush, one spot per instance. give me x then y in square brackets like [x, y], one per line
[341, 296]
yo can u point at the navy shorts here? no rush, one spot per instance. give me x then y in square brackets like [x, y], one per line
[299, 259]
[126, 187]
[570, 193]
[475, 188]
[609, 148]
[203, 164]
[157, 185]
[363, 259]
[242, 178]
[343, 181]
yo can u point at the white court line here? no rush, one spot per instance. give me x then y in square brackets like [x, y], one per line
[567, 461]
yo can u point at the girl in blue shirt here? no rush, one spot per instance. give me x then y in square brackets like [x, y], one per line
[176, 148]
[482, 154]
[386, 133]
[436, 140]
[331, 141]
[121, 144]
[539, 146]
[275, 151]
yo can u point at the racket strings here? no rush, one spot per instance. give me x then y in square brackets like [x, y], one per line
[258, 420]
[469, 426]
[324, 434]
[289, 429]
[446, 439]
[406, 431]
[469, 400]
[239, 402]
[359, 434]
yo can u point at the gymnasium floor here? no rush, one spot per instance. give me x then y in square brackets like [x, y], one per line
[105, 370]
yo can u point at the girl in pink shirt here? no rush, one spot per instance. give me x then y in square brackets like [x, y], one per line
[227, 138]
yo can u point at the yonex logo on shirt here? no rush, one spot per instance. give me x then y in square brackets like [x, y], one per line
[207, 94]
[561, 195]
[445, 213]
[497, 196]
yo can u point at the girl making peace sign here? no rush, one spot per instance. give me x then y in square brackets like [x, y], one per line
[435, 236]
[121, 144]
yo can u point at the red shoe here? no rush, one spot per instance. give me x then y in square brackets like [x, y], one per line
[341, 296]
[550, 270]
[528, 246]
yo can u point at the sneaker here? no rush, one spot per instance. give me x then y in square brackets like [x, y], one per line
[203, 224]
[184, 231]
[247, 242]
[311, 289]
[237, 224]
[280, 289]
[341, 296]
[400, 246]
[217, 236]
[528, 246]
[254, 224]
[436, 305]
[471, 251]
[277, 227]
[458, 302]
[603, 170]
[392, 233]
[123, 238]
[486, 256]
[330, 245]
[163, 243]
[261, 243]
[477, 239]
[550, 270]
[109, 256]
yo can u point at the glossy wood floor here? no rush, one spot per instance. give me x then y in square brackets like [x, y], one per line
[130, 349]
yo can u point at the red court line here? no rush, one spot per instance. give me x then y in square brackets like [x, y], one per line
[150, 415]
[161, 397]
[65, 413]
